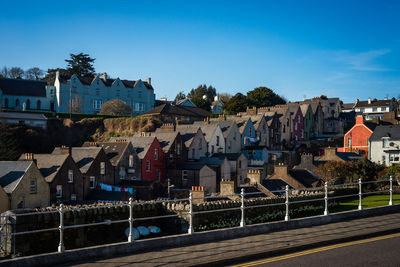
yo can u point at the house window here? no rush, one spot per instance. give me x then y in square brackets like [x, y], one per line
[287, 122]
[33, 187]
[349, 140]
[218, 140]
[59, 191]
[284, 128]
[184, 178]
[102, 168]
[158, 175]
[70, 176]
[212, 149]
[250, 132]
[200, 143]
[298, 119]
[97, 103]
[28, 104]
[148, 166]
[92, 182]
[6, 103]
[385, 142]
[240, 164]
[362, 109]
[295, 127]
[375, 109]
[193, 153]
[130, 161]
[139, 106]
[383, 159]
[38, 104]
[17, 103]
[156, 154]
[73, 197]
[178, 152]
[383, 108]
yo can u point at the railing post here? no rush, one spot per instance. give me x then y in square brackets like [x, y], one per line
[391, 191]
[326, 212]
[130, 238]
[190, 230]
[242, 220]
[360, 194]
[287, 203]
[61, 247]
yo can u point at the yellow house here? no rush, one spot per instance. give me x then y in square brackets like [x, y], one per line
[24, 185]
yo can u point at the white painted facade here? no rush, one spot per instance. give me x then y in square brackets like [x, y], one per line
[94, 93]
[386, 151]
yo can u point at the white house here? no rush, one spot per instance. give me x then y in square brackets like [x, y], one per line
[384, 145]
[374, 108]
[87, 95]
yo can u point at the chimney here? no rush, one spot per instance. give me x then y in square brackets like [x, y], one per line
[198, 193]
[307, 160]
[360, 119]
[254, 176]
[281, 169]
[330, 152]
[66, 150]
[167, 128]
[103, 76]
[148, 80]
[357, 100]
[30, 157]
[369, 101]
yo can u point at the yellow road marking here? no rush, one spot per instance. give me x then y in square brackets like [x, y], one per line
[311, 251]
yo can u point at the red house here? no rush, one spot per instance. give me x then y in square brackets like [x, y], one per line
[298, 122]
[356, 139]
[152, 157]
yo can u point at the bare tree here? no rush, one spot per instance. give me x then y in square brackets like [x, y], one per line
[16, 73]
[5, 72]
[116, 107]
[76, 106]
[34, 73]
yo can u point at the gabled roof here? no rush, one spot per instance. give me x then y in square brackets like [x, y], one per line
[208, 129]
[168, 109]
[166, 139]
[348, 106]
[83, 156]
[48, 164]
[186, 103]
[212, 161]
[304, 109]
[107, 82]
[241, 122]
[256, 119]
[11, 172]
[187, 133]
[349, 156]
[274, 185]
[305, 177]
[19, 87]
[390, 131]
[226, 126]
[140, 143]
[114, 150]
[374, 103]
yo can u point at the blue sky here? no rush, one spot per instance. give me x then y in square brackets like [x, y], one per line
[346, 49]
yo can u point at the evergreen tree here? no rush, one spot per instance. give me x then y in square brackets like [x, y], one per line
[263, 97]
[81, 64]
[238, 103]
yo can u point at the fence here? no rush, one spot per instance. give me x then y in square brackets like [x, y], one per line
[8, 234]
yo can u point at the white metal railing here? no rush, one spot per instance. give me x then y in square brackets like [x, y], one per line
[191, 213]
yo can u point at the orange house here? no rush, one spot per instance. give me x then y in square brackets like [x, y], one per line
[356, 139]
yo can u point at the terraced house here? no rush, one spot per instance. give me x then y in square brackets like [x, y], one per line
[87, 95]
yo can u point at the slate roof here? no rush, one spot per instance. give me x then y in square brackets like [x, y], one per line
[348, 106]
[274, 185]
[212, 161]
[241, 122]
[188, 132]
[83, 156]
[391, 131]
[48, 164]
[114, 150]
[166, 139]
[168, 109]
[208, 129]
[107, 82]
[190, 166]
[349, 156]
[22, 116]
[140, 143]
[256, 119]
[19, 87]
[374, 103]
[11, 172]
[226, 126]
[305, 177]
[229, 156]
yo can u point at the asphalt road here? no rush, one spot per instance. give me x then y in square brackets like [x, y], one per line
[378, 251]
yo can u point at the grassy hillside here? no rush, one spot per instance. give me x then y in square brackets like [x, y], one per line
[18, 139]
